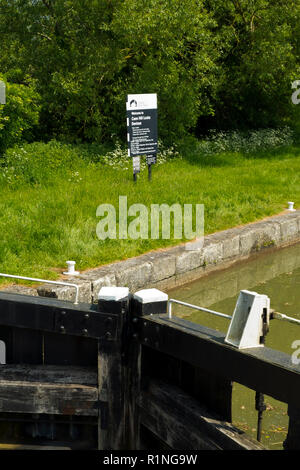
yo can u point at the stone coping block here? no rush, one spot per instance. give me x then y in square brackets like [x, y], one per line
[19, 289]
[188, 260]
[68, 292]
[135, 274]
[163, 264]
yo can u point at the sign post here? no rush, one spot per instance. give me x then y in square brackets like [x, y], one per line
[142, 130]
[2, 93]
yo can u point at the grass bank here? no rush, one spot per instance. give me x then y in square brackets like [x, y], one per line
[49, 194]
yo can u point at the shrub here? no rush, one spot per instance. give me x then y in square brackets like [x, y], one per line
[20, 114]
[118, 157]
[39, 163]
[246, 142]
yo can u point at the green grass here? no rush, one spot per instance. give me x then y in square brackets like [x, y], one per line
[48, 201]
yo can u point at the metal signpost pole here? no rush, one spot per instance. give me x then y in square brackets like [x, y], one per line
[149, 172]
[2, 93]
[136, 164]
[151, 160]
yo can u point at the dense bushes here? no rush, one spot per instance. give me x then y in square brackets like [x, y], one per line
[259, 62]
[19, 116]
[44, 164]
[214, 63]
[247, 143]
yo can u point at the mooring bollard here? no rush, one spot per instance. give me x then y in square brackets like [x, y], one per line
[71, 269]
[291, 206]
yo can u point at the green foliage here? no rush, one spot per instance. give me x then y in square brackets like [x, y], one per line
[214, 63]
[170, 49]
[260, 60]
[39, 164]
[87, 55]
[248, 143]
[19, 116]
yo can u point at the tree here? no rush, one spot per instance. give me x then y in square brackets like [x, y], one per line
[260, 60]
[87, 55]
[19, 116]
[213, 63]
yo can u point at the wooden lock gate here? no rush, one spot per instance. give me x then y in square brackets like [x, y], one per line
[123, 375]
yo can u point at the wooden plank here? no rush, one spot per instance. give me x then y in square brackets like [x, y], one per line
[103, 397]
[261, 368]
[112, 393]
[215, 392]
[134, 360]
[9, 446]
[178, 420]
[36, 397]
[49, 374]
[27, 346]
[112, 384]
[49, 390]
[69, 350]
[46, 314]
[292, 441]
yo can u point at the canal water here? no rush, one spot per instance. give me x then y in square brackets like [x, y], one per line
[276, 274]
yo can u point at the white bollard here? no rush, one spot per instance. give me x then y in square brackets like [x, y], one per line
[291, 206]
[71, 269]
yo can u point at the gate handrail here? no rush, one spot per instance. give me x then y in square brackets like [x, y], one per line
[59, 283]
[274, 315]
[202, 309]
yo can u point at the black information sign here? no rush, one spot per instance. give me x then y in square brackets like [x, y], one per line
[151, 159]
[142, 129]
[142, 124]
